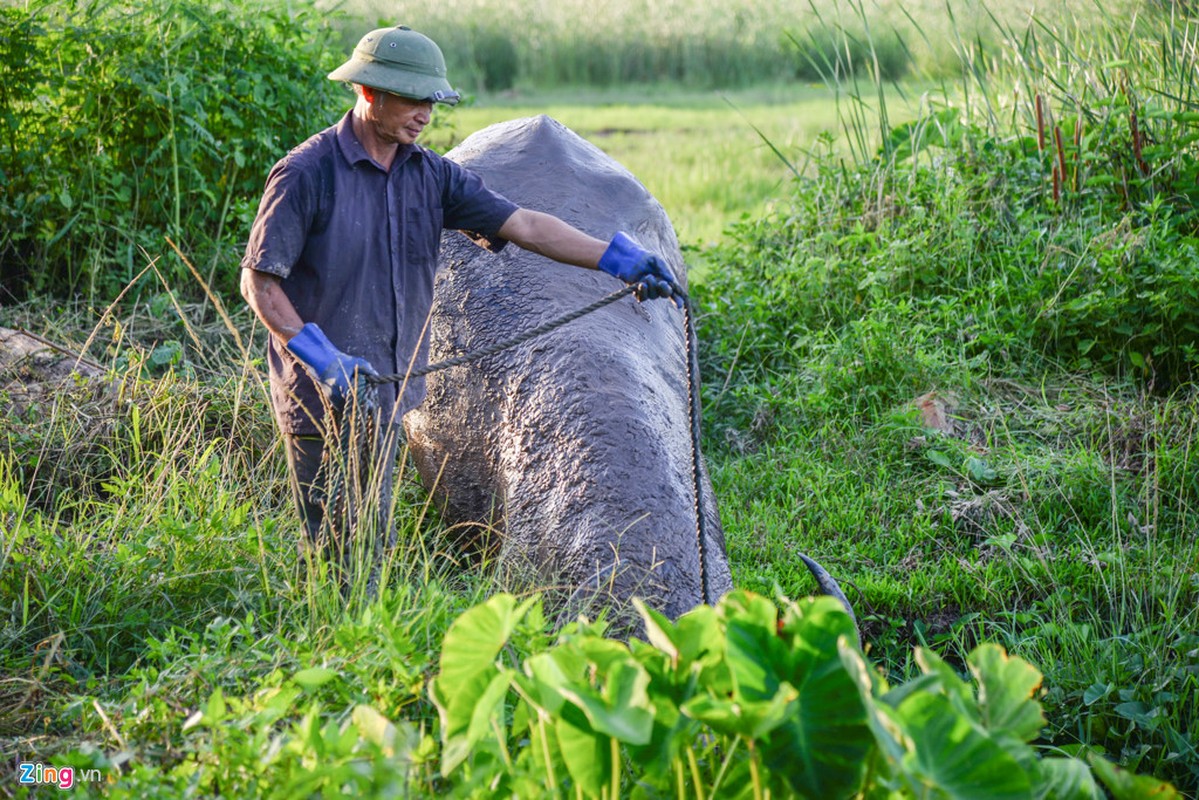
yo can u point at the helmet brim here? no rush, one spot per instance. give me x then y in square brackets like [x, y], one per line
[405, 83]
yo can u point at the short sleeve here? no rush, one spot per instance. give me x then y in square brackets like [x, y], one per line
[469, 206]
[280, 229]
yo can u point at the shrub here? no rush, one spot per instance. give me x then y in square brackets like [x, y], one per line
[120, 125]
[776, 701]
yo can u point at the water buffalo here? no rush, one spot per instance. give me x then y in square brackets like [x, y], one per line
[576, 445]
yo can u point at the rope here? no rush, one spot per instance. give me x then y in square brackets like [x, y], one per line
[506, 344]
[692, 394]
[701, 526]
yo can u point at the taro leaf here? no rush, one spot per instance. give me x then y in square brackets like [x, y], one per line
[951, 755]
[753, 609]
[545, 677]
[1007, 686]
[466, 713]
[603, 654]
[376, 729]
[750, 719]
[880, 717]
[1124, 785]
[757, 658]
[485, 707]
[695, 636]
[820, 748]
[660, 631]
[960, 693]
[588, 756]
[470, 685]
[1065, 779]
[475, 638]
[622, 711]
[668, 689]
[699, 636]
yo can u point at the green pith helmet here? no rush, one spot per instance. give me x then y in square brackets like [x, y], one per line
[401, 61]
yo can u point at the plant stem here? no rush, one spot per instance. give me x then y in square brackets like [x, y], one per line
[545, 752]
[724, 766]
[499, 737]
[615, 746]
[699, 784]
[753, 770]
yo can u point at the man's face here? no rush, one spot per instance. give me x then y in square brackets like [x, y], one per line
[398, 119]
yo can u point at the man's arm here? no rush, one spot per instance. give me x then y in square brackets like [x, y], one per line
[264, 293]
[335, 369]
[549, 236]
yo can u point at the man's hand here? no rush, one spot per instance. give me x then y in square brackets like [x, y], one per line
[333, 368]
[628, 261]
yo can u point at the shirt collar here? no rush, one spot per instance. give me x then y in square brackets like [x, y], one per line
[355, 153]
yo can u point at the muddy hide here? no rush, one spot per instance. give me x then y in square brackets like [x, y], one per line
[575, 447]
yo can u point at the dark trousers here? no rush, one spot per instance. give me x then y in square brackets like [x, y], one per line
[343, 488]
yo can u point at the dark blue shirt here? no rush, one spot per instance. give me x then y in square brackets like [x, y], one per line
[356, 247]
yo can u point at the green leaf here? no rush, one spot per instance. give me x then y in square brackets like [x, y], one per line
[979, 470]
[470, 685]
[1007, 686]
[623, 711]
[880, 717]
[465, 714]
[960, 693]
[546, 677]
[1126, 786]
[659, 630]
[821, 747]
[485, 708]
[375, 728]
[314, 677]
[938, 458]
[696, 636]
[1096, 692]
[746, 718]
[214, 712]
[588, 757]
[757, 659]
[1140, 713]
[952, 755]
[475, 638]
[1065, 779]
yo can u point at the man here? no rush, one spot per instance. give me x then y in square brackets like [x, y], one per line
[340, 262]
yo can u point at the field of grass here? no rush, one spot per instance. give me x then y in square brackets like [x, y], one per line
[965, 386]
[497, 46]
[720, 169]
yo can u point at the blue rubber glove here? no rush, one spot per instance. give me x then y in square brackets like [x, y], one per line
[627, 260]
[333, 368]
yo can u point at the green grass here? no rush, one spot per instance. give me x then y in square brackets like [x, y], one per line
[155, 623]
[720, 168]
[503, 44]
